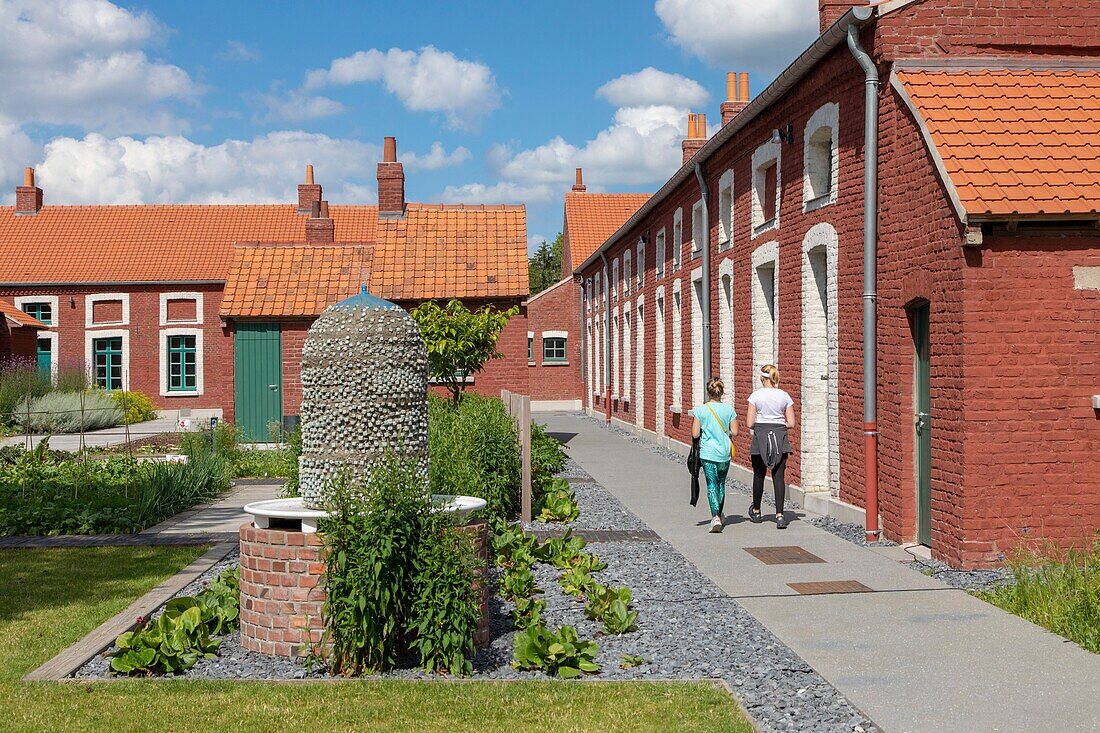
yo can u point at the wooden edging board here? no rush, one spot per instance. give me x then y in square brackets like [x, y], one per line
[76, 656]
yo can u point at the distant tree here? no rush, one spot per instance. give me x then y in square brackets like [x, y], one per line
[460, 341]
[544, 267]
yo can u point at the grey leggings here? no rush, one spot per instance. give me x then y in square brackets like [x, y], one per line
[759, 471]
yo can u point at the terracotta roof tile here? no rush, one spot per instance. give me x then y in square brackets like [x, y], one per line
[1014, 142]
[424, 255]
[18, 317]
[590, 218]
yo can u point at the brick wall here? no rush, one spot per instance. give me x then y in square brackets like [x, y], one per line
[557, 310]
[293, 338]
[17, 341]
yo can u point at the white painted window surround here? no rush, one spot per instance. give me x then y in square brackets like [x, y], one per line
[821, 161]
[762, 157]
[89, 350]
[662, 253]
[626, 273]
[591, 375]
[765, 306]
[164, 334]
[677, 347]
[616, 328]
[641, 262]
[698, 229]
[725, 210]
[54, 355]
[165, 297]
[615, 278]
[639, 367]
[677, 238]
[24, 300]
[698, 387]
[820, 420]
[627, 393]
[92, 298]
[659, 369]
[725, 326]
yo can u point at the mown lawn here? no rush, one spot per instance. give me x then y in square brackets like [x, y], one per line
[53, 597]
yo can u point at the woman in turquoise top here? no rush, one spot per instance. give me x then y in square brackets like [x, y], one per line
[715, 424]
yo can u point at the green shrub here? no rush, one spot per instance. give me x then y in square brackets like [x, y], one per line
[68, 412]
[1056, 589]
[71, 376]
[181, 636]
[547, 459]
[518, 582]
[473, 448]
[562, 652]
[558, 503]
[136, 407]
[528, 612]
[397, 576]
[19, 379]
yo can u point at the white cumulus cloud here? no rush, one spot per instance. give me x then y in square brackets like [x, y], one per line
[651, 86]
[742, 35]
[428, 80]
[504, 192]
[172, 169]
[83, 62]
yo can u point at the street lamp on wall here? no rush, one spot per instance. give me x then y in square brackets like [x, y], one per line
[783, 134]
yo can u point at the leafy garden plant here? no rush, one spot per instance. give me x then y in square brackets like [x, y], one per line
[560, 652]
[558, 503]
[459, 341]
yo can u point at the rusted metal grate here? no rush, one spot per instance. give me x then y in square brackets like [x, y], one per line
[830, 586]
[782, 555]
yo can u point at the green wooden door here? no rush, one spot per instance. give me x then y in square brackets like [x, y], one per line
[45, 357]
[922, 404]
[258, 379]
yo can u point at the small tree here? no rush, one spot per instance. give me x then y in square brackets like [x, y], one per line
[460, 341]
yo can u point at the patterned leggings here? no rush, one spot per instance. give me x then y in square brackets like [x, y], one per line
[716, 484]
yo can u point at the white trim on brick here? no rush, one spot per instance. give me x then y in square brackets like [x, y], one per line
[639, 367]
[627, 349]
[677, 238]
[698, 292]
[616, 328]
[815, 164]
[662, 253]
[89, 305]
[764, 155]
[640, 263]
[615, 278]
[820, 420]
[89, 351]
[659, 368]
[22, 300]
[626, 273]
[725, 210]
[765, 315]
[725, 326]
[164, 334]
[165, 297]
[677, 346]
[698, 229]
[52, 336]
[554, 334]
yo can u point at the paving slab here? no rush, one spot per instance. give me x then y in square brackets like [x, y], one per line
[914, 654]
[226, 515]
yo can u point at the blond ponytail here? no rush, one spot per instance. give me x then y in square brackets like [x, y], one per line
[769, 371]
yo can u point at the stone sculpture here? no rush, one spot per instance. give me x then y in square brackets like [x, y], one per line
[364, 392]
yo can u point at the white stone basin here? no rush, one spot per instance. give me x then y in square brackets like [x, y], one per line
[264, 511]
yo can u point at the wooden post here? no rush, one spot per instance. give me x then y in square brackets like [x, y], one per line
[525, 447]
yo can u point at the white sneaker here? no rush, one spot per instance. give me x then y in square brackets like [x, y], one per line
[716, 525]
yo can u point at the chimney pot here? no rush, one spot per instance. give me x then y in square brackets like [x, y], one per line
[389, 150]
[315, 210]
[308, 193]
[391, 182]
[309, 174]
[320, 229]
[323, 210]
[579, 186]
[28, 177]
[744, 96]
[731, 86]
[701, 126]
[693, 142]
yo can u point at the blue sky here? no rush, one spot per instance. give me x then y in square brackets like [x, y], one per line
[491, 102]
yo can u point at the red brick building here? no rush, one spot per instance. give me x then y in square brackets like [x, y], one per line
[205, 308]
[555, 344]
[19, 335]
[986, 352]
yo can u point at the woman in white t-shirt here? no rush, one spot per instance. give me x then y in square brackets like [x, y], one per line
[770, 415]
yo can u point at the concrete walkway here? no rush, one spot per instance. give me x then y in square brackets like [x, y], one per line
[224, 517]
[914, 655]
[100, 438]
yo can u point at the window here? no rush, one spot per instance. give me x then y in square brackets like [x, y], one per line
[641, 262]
[820, 166]
[626, 273]
[615, 278]
[554, 348]
[677, 237]
[530, 348]
[698, 229]
[182, 369]
[661, 253]
[41, 311]
[765, 188]
[725, 210]
[107, 354]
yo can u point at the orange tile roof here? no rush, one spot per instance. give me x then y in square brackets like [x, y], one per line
[435, 252]
[590, 218]
[272, 280]
[1013, 142]
[18, 317]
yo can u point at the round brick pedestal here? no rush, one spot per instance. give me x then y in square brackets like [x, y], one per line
[282, 596]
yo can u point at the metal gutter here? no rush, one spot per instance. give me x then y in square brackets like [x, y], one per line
[108, 283]
[829, 41]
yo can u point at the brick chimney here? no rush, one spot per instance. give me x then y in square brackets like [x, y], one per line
[320, 229]
[391, 182]
[697, 135]
[579, 186]
[829, 11]
[308, 192]
[28, 197]
[737, 96]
